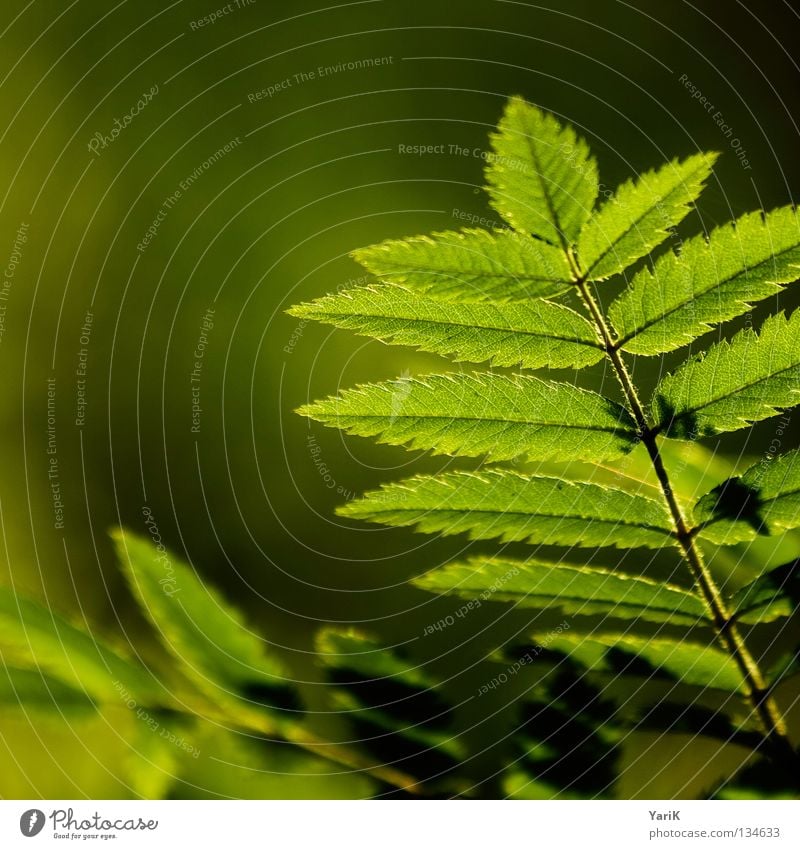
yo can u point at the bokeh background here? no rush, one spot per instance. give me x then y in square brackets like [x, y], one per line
[303, 167]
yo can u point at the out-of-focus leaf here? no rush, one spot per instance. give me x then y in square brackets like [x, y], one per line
[208, 637]
[395, 707]
[30, 689]
[36, 638]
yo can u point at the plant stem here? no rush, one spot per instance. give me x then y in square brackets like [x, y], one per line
[775, 735]
[339, 753]
[342, 755]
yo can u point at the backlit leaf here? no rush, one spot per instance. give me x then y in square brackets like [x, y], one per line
[734, 384]
[708, 282]
[471, 265]
[472, 415]
[764, 500]
[774, 595]
[542, 178]
[677, 660]
[640, 216]
[582, 590]
[512, 507]
[532, 334]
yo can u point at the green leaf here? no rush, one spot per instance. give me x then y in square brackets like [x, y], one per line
[471, 265]
[579, 590]
[396, 707]
[534, 334]
[359, 653]
[734, 384]
[710, 281]
[31, 689]
[36, 638]
[512, 507]
[206, 635]
[640, 216]
[764, 500]
[772, 596]
[472, 415]
[542, 178]
[677, 660]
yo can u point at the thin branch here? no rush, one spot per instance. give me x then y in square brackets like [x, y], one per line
[338, 753]
[758, 692]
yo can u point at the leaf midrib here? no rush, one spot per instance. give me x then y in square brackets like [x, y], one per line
[498, 512]
[589, 343]
[600, 601]
[464, 418]
[548, 199]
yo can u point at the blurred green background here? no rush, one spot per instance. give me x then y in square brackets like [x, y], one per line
[313, 168]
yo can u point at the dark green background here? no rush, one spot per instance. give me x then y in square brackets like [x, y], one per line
[317, 174]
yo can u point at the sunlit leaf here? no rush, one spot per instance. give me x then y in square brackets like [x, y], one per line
[734, 384]
[574, 589]
[505, 505]
[640, 216]
[532, 334]
[542, 178]
[471, 265]
[476, 414]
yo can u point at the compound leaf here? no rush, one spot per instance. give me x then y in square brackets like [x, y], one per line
[640, 215]
[472, 415]
[542, 178]
[582, 590]
[710, 281]
[503, 504]
[532, 334]
[734, 384]
[471, 265]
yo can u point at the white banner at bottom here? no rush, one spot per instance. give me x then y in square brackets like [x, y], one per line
[408, 824]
